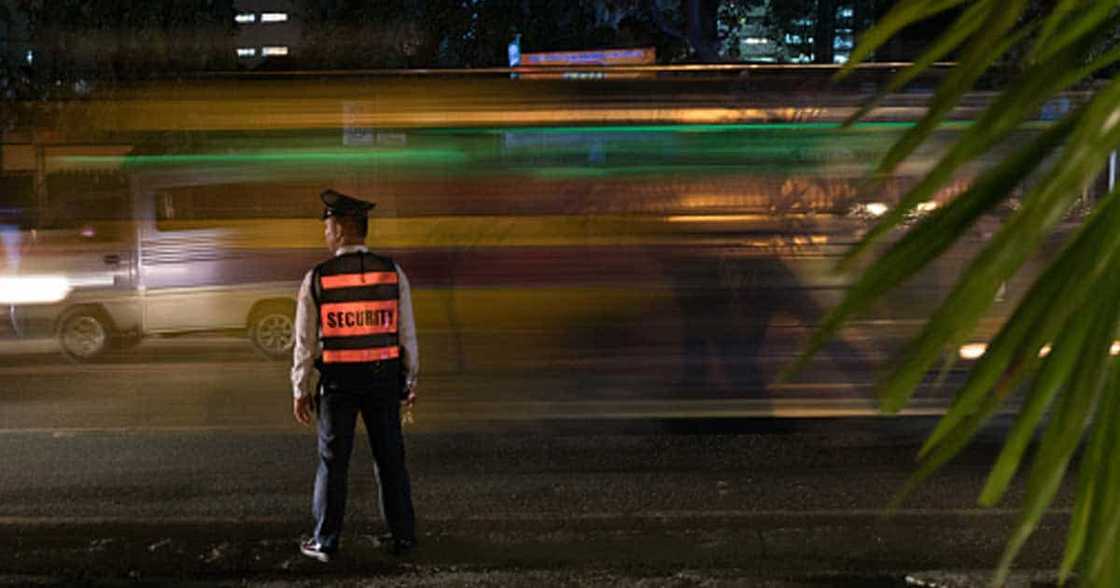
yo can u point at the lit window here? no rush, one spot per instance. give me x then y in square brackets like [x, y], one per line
[272, 51]
[757, 40]
[274, 16]
[246, 52]
[245, 17]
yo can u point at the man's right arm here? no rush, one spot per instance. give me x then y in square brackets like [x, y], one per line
[305, 346]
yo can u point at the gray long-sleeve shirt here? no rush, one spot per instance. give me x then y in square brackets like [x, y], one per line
[307, 346]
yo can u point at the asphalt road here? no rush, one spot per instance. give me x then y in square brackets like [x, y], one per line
[187, 466]
[207, 382]
[799, 500]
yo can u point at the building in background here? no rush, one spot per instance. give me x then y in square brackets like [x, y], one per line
[15, 34]
[268, 31]
[773, 32]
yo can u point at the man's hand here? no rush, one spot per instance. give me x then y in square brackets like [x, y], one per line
[409, 399]
[301, 408]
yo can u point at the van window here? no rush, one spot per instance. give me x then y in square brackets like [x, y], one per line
[17, 202]
[76, 200]
[228, 202]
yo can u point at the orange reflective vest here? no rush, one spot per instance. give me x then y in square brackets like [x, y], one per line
[358, 301]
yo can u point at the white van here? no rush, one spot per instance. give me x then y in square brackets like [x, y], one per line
[116, 263]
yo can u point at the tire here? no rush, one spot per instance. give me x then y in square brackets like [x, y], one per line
[84, 334]
[272, 330]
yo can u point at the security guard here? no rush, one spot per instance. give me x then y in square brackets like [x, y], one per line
[354, 325]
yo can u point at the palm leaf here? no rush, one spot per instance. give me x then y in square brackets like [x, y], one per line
[933, 236]
[1020, 101]
[1042, 314]
[1056, 18]
[1071, 417]
[966, 24]
[1055, 372]
[1072, 31]
[900, 16]
[1094, 483]
[1082, 157]
[979, 55]
[1074, 304]
[965, 430]
[949, 93]
[996, 123]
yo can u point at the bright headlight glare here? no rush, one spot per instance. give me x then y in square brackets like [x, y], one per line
[973, 350]
[33, 289]
[876, 208]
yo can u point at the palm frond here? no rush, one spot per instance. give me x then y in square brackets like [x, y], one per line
[1085, 534]
[933, 236]
[1014, 105]
[1075, 29]
[1072, 415]
[1073, 308]
[966, 24]
[1096, 134]
[902, 15]
[1042, 314]
[1062, 9]
[949, 93]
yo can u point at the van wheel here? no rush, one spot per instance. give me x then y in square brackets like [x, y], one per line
[84, 334]
[272, 330]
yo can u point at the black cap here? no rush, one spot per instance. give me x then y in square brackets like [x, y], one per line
[339, 204]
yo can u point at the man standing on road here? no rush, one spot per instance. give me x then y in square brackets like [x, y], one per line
[354, 324]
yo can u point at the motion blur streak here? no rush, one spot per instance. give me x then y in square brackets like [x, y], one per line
[655, 246]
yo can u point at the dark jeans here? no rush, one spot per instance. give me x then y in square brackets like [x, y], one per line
[338, 411]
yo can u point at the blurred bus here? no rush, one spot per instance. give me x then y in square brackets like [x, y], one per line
[696, 255]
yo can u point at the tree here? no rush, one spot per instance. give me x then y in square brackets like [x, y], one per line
[704, 27]
[1055, 347]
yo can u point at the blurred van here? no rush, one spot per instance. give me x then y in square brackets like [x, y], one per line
[119, 256]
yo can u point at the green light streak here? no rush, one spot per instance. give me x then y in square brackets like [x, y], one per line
[688, 128]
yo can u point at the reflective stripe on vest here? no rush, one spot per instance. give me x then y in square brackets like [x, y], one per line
[351, 280]
[360, 355]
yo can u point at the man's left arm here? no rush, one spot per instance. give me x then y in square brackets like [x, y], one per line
[406, 327]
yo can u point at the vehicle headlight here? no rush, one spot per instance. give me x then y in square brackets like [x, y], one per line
[973, 350]
[33, 289]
